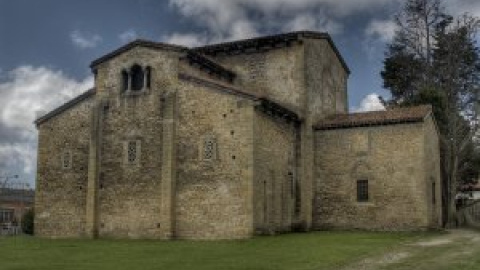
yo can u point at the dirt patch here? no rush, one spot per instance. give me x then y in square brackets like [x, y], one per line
[433, 243]
[438, 252]
[378, 262]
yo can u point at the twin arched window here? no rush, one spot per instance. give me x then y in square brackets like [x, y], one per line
[136, 78]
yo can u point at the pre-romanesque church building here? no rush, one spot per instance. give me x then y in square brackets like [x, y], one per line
[231, 140]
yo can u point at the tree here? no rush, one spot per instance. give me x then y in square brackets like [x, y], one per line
[434, 59]
[457, 66]
[27, 222]
[407, 65]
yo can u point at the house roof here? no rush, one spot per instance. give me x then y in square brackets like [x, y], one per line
[10, 195]
[388, 117]
[209, 65]
[268, 42]
[65, 106]
[135, 43]
[237, 46]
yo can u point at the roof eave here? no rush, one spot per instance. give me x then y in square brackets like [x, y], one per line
[136, 43]
[65, 106]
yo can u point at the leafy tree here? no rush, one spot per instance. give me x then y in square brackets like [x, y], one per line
[434, 59]
[407, 65]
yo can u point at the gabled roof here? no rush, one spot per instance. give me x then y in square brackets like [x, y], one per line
[210, 66]
[65, 106]
[268, 42]
[237, 46]
[388, 117]
[138, 42]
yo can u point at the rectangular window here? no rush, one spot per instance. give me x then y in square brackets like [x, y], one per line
[6, 215]
[362, 190]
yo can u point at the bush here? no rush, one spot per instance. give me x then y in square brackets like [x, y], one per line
[27, 222]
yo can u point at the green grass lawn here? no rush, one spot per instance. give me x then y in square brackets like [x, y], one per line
[316, 250]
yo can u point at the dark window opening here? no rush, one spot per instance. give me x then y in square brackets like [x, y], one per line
[148, 73]
[124, 80]
[434, 200]
[136, 74]
[362, 190]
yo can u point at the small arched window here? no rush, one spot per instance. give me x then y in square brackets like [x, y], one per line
[124, 80]
[148, 73]
[136, 74]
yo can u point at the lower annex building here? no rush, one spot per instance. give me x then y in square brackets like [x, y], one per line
[229, 140]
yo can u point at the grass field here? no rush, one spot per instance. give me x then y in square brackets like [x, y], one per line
[317, 250]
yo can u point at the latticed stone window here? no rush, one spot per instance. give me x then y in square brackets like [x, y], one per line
[66, 159]
[362, 190]
[132, 151]
[209, 148]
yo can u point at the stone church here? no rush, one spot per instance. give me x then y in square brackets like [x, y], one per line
[230, 140]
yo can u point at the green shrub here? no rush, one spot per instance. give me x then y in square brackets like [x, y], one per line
[27, 222]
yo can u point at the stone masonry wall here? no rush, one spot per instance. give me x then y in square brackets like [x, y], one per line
[277, 74]
[130, 193]
[61, 192]
[275, 174]
[325, 79]
[391, 158]
[432, 173]
[214, 162]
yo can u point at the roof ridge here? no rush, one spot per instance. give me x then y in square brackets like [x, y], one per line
[211, 65]
[392, 116]
[65, 106]
[137, 42]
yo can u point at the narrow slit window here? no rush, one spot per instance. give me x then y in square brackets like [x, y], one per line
[362, 190]
[148, 74]
[124, 80]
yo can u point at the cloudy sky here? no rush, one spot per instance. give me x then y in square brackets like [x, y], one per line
[46, 47]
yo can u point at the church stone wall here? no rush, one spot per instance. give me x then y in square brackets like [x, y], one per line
[325, 79]
[214, 162]
[275, 174]
[61, 192]
[277, 74]
[130, 193]
[432, 173]
[391, 158]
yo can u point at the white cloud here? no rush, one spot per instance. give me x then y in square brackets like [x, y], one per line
[383, 30]
[14, 154]
[189, 40]
[309, 21]
[235, 19]
[27, 92]
[458, 7]
[128, 36]
[370, 102]
[84, 40]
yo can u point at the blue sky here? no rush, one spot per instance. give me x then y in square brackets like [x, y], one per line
[46, 47]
